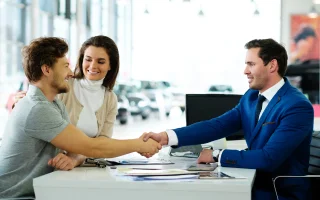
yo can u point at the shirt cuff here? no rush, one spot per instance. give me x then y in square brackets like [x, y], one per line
[219, 159]
[172, 137]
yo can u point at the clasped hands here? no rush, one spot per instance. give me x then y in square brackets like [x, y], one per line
[162, 139]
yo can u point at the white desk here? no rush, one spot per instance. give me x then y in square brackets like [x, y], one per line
[103, 183]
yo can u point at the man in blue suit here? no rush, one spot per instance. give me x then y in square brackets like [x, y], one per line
[277, 120]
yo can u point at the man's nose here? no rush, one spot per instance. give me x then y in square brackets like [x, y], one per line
[70, 73]
[246, 71]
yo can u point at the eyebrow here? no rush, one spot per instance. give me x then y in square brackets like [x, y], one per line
[250, 63]
[98, 58]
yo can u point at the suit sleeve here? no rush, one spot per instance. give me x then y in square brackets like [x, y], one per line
[209, 130]
[294, 126]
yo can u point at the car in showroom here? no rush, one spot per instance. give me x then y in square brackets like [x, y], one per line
[123, 109]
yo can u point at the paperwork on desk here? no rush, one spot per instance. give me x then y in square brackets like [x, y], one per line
[139, 161]
[155, 174]
[167, 178]
[158, 175]
[152, 172]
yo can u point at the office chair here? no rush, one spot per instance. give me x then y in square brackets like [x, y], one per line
[314, 168]
[314, 164]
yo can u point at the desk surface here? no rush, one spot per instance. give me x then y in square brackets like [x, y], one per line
[92, 182]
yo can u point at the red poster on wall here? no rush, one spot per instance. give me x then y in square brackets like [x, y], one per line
[305, 35]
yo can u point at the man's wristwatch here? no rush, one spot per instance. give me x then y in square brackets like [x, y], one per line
[215, 155]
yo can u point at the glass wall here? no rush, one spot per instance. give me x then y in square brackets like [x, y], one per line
[199, 43]
[23, 20]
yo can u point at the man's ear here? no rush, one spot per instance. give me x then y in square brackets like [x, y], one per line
[45, 70]
[273, 66]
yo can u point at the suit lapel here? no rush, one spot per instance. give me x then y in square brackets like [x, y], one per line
[276, 99]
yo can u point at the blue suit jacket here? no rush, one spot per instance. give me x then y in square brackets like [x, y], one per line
[278, 144]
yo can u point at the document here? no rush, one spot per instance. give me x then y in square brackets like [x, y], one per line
[103, 162]
[161, 172]
[166, 178]
[144, 162]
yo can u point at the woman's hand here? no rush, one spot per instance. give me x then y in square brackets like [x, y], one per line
[18, 96]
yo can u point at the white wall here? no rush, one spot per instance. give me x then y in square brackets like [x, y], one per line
[289, 7]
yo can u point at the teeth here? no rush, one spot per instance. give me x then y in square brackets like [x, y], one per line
[90, 72]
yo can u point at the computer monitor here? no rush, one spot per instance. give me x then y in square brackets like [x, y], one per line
[201, 107]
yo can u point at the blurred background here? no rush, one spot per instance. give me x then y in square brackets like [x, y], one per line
[168, 48]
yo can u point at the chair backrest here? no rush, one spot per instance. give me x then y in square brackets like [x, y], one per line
[314, 165]
[314, 162]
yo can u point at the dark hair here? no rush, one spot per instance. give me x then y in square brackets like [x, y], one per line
[111, 49]
[42, 51]
[269, 50]
[304, 32]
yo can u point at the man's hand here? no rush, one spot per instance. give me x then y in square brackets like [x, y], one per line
[206, 156]
[161, 137]
[148, 148]
[62, 162]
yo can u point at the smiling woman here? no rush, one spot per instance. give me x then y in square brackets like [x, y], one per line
[91, 104]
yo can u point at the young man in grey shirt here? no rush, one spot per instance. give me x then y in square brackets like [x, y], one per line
[39, 123]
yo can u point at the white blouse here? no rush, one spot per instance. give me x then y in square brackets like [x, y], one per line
[90, 94]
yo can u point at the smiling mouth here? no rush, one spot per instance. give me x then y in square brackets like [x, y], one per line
[93, 73]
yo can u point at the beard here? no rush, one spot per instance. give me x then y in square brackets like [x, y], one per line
[61, 88]
[256, 85]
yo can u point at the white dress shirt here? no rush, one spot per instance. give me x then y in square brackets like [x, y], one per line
[268, 94]
[90, 94]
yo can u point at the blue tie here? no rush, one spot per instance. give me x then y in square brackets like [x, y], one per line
[261, 99]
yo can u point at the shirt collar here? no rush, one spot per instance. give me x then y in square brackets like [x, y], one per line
[36, 92]
[269, 93]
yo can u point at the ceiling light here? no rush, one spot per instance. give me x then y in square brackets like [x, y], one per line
[256, 12]
[201, 13]
[313, 12]
[146, 11]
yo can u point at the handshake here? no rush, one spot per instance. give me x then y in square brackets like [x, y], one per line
[152, 143]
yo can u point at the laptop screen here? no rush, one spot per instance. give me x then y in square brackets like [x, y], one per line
[201, 107]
